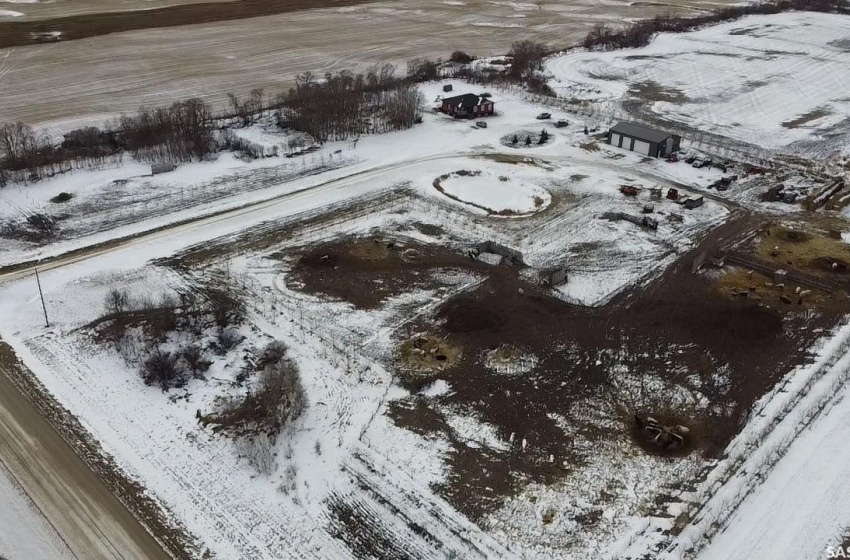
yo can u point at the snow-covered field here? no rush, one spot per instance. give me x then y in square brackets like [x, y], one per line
[777, 81]
[24, 532]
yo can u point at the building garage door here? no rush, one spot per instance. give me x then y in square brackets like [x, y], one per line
[641, 147]
[615, 139]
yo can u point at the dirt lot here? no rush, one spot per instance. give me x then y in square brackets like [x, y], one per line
[678, 329]
[89, 80]
[374, 268]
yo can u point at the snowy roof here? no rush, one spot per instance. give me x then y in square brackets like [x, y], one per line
[642, 132]
[467, 100]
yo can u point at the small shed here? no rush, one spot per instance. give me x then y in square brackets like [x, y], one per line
[163, 167]
[553, 277]
[643, 140]
[694, 202]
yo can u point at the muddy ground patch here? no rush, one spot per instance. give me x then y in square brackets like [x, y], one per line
[366, 271]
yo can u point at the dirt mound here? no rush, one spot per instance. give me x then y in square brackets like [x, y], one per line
[428, 353]
[828, 264]
[470, 316]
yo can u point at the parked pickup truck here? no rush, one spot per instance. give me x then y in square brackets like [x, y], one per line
[544, 116]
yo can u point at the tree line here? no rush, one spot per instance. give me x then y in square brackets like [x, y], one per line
[640, 33]
[345, 104]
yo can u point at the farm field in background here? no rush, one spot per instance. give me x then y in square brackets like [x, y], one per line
[76, 85]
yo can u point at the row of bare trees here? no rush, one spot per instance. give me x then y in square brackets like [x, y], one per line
[332, 107]
[182, 132]
[345, 104]
[26, 154]
[639, 33]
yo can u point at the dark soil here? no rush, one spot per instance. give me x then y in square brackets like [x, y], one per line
[831, 265]
[678, 323]
[678, 327]
[15, 34]
[367, 271]
[466, 315]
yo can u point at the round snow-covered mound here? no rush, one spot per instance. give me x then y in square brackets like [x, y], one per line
[507, 194]
[527, 139]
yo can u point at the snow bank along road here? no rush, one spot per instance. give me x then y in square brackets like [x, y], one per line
[92, 522]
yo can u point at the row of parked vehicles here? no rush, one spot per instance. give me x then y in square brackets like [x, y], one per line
[699, 161]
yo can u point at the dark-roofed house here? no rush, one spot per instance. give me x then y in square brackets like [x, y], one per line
[467, 106]
[643, 140]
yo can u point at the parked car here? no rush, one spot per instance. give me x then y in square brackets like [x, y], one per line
[699, 163]
[690, 159]
[561, 124]
[544, 116]
[720, 165]
[481, 124]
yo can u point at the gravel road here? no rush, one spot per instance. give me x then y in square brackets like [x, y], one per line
[82, 510]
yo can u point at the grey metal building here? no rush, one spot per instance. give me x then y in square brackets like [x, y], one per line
[643, 140]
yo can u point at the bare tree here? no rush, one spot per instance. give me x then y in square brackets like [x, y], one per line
[117, 301]
[163, 369]
[526, 58]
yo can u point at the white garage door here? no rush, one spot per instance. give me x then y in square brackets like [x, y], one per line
[641, 147]
[615, 139]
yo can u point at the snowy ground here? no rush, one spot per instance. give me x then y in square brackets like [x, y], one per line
[345, 450]
[24, 532]
[102, 209]
[773, 81]
[499, 188]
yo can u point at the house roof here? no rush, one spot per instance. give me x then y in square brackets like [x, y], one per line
[641, 132]
[467, 100]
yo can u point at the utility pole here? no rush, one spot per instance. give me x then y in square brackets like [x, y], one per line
[41, 295]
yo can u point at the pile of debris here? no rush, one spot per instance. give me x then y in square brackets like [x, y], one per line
[666, 437]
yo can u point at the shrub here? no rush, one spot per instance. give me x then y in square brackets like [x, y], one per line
[228, 339]
[117, 301]
[42, 223]
[274, 352]
[163, 369]
[226, 308]
[62, 197]
[461, 57]
[195, 360]
[277, 400]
